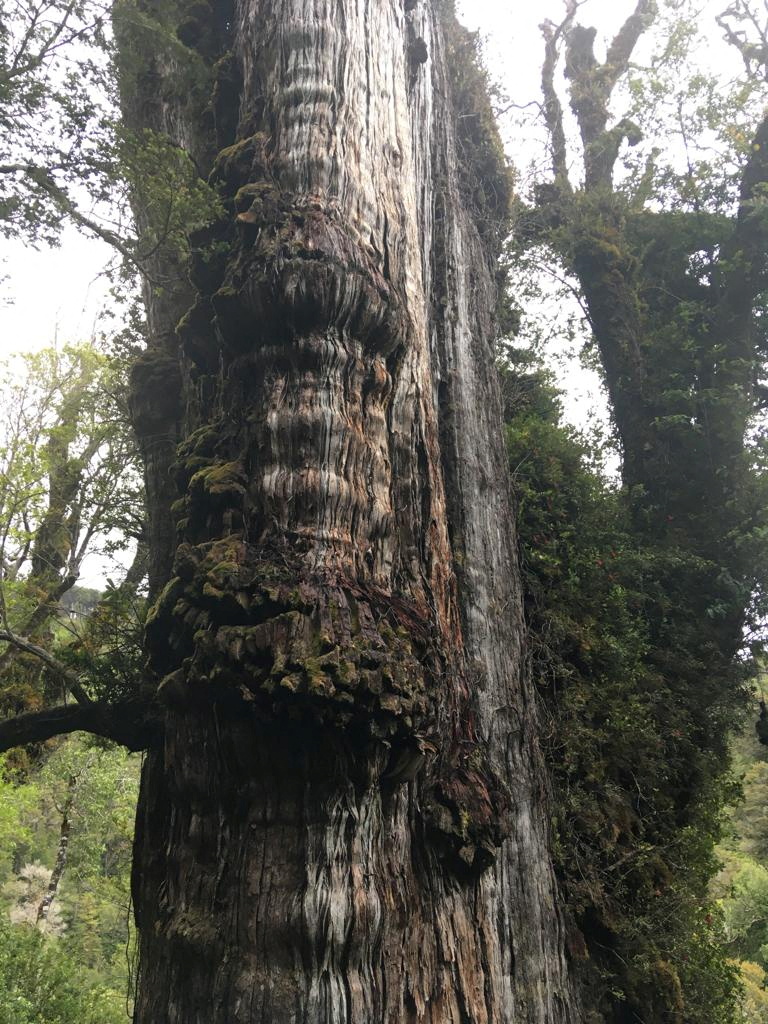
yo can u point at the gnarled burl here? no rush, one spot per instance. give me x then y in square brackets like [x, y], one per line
[346, 820]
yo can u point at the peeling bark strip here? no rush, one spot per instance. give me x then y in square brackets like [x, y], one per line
[343, 614]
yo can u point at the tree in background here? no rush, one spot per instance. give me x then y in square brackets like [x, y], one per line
[68, 964]
[642, 930]
[642, 597]
[70, 483]
[65, 154]
[69, 488]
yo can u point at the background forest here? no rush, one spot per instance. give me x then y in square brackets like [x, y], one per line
[640, 238]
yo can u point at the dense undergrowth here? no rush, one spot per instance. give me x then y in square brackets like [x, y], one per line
[741, 885]
[70, 964]
[637, 800]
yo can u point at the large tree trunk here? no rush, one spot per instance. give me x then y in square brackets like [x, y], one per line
[347, 819]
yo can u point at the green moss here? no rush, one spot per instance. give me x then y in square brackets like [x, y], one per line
[243, 162]
[202, 444]
[167, 596]
[601, 603]
[222, 479]
[255, 192]
[485, 175]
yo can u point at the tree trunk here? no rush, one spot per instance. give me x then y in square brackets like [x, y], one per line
[347, 819]
[62, 852]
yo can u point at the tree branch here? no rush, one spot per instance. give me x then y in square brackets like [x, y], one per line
[553, 110]
[69, 679]
[131, 724]
[42, 178]
[744, 260]
[592, 85]
[44, 610]
[752, 53]
[624, 42]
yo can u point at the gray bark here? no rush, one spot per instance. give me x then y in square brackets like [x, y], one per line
[347, 819]
[62, 852]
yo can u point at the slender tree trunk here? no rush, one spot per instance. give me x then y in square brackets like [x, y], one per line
[347, 819]
[62, 852]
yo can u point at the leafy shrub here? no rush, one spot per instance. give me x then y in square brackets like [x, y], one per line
[40, 984]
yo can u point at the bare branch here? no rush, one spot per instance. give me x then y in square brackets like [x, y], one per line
[69, 679]
[753, 53]
[592, 85]
[624, 42]
[553, 110]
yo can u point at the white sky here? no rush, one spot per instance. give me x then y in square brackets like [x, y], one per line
[58, 294]
[51, 293]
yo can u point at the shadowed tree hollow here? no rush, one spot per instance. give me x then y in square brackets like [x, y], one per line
[345, 817]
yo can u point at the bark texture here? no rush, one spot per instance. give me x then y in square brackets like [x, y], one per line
[346, 820]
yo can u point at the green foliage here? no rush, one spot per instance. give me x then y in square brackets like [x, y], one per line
[54, 112]
[70, 479]
[637, 796]
[754, 979]
[88, 928]
[640, 612]
[105, 651]
[41, 984]
[66, 152]
[69, 484]
[684, 97]
[750, 817]
[168, 196]
[66, 451]
[103, 810]
[746, 908]
[741, 884]
[485, 173]
[16, 808]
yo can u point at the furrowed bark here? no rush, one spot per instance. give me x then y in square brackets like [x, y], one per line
[347, 818]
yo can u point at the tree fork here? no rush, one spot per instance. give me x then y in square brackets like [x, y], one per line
[346, 819]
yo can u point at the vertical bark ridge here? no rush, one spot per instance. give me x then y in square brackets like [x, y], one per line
[346, 821]
[519, 889]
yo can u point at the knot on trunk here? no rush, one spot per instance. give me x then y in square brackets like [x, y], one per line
[467, 810]
[278, 266]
